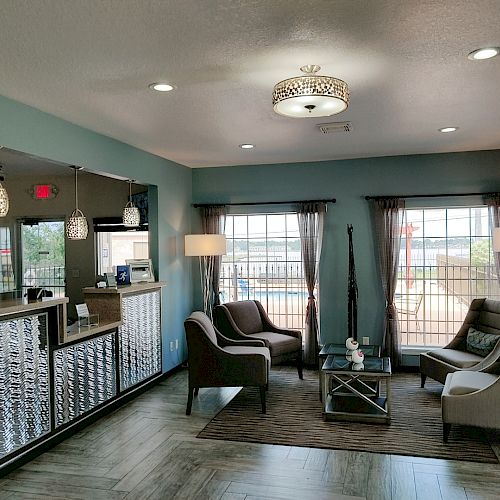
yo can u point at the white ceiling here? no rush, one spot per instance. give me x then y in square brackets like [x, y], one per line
[90, 62]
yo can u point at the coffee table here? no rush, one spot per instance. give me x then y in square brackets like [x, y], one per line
[340, 350]
[347, 395]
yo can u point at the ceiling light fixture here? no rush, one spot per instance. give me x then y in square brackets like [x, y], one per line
[77, 227]
[310, 95]
[131, 214]
[161, 87]
[4, 197]
[247, 146]
[445, 130]
[484, 53]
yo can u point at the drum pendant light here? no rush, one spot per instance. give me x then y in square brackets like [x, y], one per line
[77, 227]
[131, 215]
[4, 197]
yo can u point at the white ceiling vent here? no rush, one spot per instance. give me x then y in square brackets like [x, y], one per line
[330, 128]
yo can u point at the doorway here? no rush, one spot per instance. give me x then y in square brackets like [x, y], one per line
[42, 253]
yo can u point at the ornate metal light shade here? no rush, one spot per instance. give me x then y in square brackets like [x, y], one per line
[77, 227]
[4, 201]
[310, 95]
[131, 214]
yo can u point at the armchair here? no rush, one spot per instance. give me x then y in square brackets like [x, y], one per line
[483, 315]
[216, 361]
[247, 320]
[470, 398]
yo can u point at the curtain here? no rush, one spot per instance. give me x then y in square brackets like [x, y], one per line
[311, 218]
[493, 202]
[213, 219]
[388, 220]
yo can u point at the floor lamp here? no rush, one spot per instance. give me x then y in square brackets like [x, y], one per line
[204, 246]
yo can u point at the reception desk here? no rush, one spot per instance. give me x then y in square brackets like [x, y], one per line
[53, 377]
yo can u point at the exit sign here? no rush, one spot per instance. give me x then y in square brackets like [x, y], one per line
[43, 191]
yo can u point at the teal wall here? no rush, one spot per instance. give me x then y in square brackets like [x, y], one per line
[29, 130]
[349, 181]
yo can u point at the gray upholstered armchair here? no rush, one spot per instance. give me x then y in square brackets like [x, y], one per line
[470, 398]
[247, 320]
[216, 361]
[483, 315]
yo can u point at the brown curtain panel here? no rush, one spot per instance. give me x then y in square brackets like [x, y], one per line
[213, 219]
[311, 222]
[388, 220]
[493, 202]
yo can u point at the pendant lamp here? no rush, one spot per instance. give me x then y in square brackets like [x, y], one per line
[4, 197]
[131, 215]
[76, 226]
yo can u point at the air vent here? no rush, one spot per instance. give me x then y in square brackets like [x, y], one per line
[330, 128]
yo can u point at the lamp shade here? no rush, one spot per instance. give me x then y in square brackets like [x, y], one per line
[76, 226]
[131, 215]
[4, 201]
[496, 239]
[200, 245]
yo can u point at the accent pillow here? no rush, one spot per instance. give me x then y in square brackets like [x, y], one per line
[481, 343]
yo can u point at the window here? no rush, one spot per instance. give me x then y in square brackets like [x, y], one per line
[446, 261]
[264, 263]
[8, 282]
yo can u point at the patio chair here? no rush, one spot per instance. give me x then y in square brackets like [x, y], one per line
[216, 361]
[483, 316]
[410, 305]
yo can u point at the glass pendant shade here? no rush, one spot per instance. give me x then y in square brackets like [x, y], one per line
[131, 215]
[77, 227]
[4, 201]
[310, 95]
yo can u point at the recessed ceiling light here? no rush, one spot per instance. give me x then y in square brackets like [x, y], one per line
[161, 87]
[485, 53]
[445, 130]
[247, 146]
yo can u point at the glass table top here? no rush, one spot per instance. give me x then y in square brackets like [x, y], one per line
[341, 349]
[335, 363]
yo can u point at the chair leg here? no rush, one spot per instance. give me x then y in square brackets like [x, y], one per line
[262, 390]
[196, 391]
[299, 365]
[446, 432]
[423, 378]
[190, 401]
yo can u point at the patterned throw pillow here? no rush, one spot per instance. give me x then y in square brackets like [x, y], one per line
[481, 343]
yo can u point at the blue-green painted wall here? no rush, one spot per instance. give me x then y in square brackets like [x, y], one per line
[29, 130]
[349, 181]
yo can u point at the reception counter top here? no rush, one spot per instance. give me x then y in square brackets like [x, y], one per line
[122, 289]
[22, 305]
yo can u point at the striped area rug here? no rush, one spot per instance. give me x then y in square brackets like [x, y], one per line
[294, 418]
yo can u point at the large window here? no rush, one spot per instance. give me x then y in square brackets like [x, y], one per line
[264, 263]
[446, 261]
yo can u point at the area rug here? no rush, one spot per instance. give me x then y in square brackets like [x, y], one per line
[294, 418]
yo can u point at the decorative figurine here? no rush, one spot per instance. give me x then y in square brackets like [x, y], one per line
[352, 345]
[357, 356]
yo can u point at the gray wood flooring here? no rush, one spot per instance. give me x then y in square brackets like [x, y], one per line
[148, 449]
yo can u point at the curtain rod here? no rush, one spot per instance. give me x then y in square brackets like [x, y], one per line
[199, 205]
[442, 195]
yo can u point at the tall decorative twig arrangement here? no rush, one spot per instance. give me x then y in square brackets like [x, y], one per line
[352, 292]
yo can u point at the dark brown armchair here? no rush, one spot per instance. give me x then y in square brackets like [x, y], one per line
[247, 320]
[216, 361]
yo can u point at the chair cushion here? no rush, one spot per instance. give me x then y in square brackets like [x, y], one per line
[246, 315]
[465, 382]
[279, 344]
[454, 357]
[481, 343]
[233, 349]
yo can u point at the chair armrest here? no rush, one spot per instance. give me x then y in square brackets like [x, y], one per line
[489, 361]
[224, 341]
[269, 326]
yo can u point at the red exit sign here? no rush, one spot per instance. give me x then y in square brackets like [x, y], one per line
[43, 191]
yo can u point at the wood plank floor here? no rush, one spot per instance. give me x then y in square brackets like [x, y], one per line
[148, 449]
